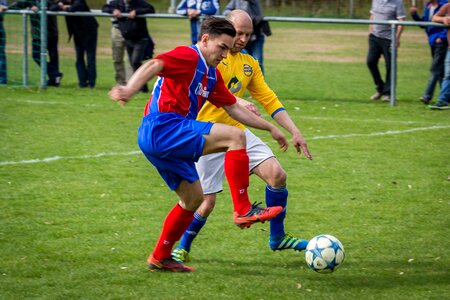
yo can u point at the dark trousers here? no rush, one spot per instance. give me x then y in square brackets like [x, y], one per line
[438, 53]
[378, 47]
[3, 74]
[52, 49]
[86, 44]
[136, 52]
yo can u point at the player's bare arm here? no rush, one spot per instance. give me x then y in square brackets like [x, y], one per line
[249, 106]
[240, 113]
[283, 119]
[123, 94]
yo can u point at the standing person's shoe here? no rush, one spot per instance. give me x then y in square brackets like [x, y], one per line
[376, 96]
[256, 214]
[287, 242]
[386, 98]
[439, 106]
[55, 81]
[168, 264]
[425, 100]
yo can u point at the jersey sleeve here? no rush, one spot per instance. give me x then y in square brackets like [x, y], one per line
[220, 95]
[260, 91]
[178, 62]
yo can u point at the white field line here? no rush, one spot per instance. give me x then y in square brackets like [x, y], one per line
[375, 134]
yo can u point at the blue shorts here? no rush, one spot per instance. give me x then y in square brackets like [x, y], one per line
[173, 144]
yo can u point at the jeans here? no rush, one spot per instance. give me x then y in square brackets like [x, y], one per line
[444, 95]
[438, 53]
[136, 53]
[3, 74]
[256, 49]
[87, 73]
[377, 47]
[53, 62]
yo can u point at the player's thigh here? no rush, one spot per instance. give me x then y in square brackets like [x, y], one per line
[222, 138]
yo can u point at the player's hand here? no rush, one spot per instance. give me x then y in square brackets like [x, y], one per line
[249, 106]
[300, 145]
[120, 94]
[278, 136]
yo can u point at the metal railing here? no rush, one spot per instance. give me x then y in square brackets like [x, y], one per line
[97, 13]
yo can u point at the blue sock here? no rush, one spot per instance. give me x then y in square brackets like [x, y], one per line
[277, 197]
[191, 232]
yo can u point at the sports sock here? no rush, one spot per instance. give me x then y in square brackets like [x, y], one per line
[192, 231]
[277, 197]
[237, 173]
[174, 225]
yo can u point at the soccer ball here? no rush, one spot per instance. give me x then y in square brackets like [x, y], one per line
[324, 253]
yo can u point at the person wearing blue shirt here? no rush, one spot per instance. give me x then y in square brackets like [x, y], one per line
[437, 39]
[196, 10]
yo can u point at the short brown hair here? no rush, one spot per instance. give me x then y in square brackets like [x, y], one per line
[216, 26]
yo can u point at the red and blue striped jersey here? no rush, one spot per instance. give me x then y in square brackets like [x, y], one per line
[185, 83]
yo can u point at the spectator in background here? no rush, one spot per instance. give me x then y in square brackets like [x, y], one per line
[3, 73]
[196, 10]
[134, 30]
[380, 43]
[443, 16]
[437, 38]
[261, 28]
[53, 72]
[118, 51]
[84, 31]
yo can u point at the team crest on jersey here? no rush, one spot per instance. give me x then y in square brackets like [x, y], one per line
[234, 85]
[248, 70]
[201, 91]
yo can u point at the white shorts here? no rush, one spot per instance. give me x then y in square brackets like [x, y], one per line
[210, 167]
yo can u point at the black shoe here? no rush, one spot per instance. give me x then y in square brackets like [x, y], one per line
[440, 106]
[55, 81]
[425, 100]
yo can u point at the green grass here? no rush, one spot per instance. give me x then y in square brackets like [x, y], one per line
[81, 226]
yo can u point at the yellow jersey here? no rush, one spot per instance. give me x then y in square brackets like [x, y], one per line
[240, 72]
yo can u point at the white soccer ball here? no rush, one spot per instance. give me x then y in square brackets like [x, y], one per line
[324, 253]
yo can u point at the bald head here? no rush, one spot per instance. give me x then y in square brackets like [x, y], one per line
[243, 24]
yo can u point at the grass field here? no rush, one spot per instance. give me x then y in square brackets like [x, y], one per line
[81, 208]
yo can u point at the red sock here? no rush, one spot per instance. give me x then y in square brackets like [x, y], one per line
[175, 224]
[237, 173]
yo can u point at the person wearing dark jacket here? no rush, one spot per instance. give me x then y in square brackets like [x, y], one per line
[134, 30]
[84, 31]
[53, 72]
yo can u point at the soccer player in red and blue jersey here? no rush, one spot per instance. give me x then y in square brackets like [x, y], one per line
[173, 140]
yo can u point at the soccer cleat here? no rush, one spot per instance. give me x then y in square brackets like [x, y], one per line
[180, 255]
[287, 242]
[440, 106]
[256, 214]
[167, 264]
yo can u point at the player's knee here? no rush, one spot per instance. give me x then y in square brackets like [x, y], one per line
[207, 206]
[238, 140]
[278, 178]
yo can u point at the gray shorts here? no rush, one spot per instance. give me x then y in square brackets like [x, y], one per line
[210, 167]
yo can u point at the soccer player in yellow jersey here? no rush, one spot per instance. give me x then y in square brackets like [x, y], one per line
[240, 71]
